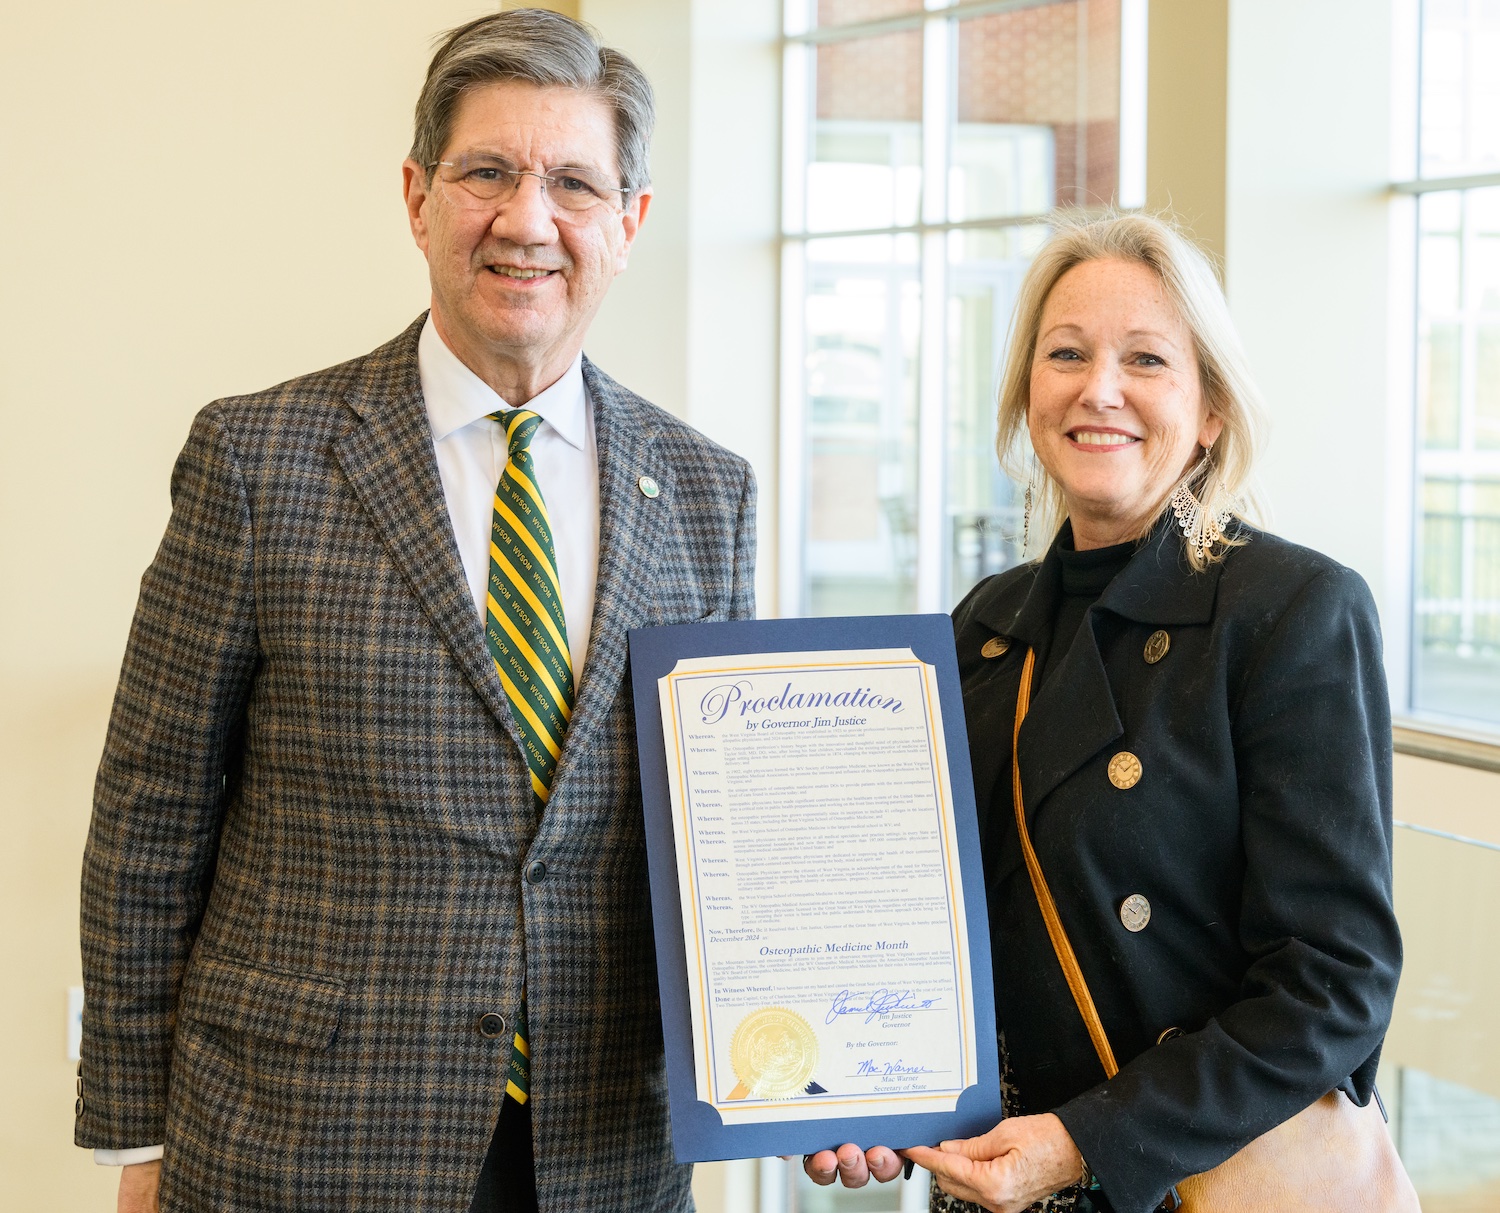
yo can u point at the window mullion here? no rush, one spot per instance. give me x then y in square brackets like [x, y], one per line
[792, 497]
[937, 72]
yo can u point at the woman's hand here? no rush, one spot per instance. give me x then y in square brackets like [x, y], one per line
[1020, 1160]
[852, 1166]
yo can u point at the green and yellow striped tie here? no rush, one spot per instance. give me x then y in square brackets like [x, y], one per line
[527, 636]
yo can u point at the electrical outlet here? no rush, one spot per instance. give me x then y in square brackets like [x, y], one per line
[75, 1022]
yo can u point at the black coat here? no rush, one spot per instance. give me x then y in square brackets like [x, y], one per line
[1259, 831]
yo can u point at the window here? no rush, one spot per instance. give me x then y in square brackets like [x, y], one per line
[923, 147]
[1455, 656]
[1440, 1074]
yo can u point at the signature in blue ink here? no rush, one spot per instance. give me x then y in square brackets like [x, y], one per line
[887, 1069]
[875, 1004]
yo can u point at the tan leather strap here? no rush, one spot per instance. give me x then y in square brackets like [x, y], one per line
[1055, 932]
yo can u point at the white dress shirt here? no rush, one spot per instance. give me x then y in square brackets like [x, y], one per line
[471, 454]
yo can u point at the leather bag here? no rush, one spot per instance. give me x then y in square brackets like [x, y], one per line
[1331, 1156]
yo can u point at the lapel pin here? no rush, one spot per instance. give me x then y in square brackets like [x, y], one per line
[649, 488]
[996, 646]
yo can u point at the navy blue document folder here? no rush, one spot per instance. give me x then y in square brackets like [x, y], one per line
[698, 1132]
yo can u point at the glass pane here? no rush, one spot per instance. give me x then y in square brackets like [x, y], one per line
[1440, 273]
[846, 12]
[1456, 629]
[873, 1198]
[1487, 388]
[1457, 633]
[982, 507]
[1448, 1135]
[863, 311]
[1460, 125]
[1037, 110]
[1437, 385]
[1440, 1070]
[866, 145]
[1486, 270]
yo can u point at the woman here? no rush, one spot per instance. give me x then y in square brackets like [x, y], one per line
[1205, 762]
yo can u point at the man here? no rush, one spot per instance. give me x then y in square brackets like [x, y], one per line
[365, 910]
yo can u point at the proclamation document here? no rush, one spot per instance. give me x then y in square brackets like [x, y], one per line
[820, 889]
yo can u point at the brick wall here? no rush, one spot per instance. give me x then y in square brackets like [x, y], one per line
[1033, 66]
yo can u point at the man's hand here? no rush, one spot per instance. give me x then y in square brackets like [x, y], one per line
[852, 1166]
[1017, 1162]
[139, 1183]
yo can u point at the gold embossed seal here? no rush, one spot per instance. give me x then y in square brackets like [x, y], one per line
[773, 1053]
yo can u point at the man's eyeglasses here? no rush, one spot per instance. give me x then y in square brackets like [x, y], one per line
[482, 181]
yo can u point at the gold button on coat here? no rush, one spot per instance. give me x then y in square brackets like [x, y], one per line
[1157, 645]
[1135, 912]
[995, 646]
[1124, 770]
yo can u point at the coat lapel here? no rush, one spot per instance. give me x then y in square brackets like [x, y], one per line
[629, 526]
[388, 457]
[1073, 716]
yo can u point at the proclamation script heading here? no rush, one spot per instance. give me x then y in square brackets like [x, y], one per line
[743, 698]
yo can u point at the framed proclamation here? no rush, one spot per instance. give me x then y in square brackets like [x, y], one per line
[822, 942]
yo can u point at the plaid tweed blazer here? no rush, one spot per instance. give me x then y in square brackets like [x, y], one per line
[304, 883]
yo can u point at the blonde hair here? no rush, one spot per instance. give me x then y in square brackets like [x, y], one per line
[1222, 481]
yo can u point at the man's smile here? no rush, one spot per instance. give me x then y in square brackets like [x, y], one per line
[512, 271]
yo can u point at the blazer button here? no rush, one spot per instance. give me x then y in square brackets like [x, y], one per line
[536, 872]
[1135, 913]
[1157, 645]
[491, 1025]
[1124, 770]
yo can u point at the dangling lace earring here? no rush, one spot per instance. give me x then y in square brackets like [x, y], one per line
[1026, 515]
[1200, 528]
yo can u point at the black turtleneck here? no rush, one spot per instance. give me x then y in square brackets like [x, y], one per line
[1085, 575]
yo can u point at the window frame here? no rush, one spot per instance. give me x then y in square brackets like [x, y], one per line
[1420, 733]
[938, 22]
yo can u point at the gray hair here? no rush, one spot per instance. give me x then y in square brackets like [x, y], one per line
[543, 48]
[1222, 481]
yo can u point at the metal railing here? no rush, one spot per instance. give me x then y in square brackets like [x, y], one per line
[1457, 603]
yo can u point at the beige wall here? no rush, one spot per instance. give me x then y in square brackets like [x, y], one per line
[1186, 95]
[202, 199]
[693, 325]
[211, 204]
[1448, 899]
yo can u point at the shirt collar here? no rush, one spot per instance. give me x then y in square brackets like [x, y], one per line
[457, 397]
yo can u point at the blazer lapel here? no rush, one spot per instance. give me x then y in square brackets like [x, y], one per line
[629, 524]
[1073, 715]
[1071, 719]
[1159, 586]
[389, 460]
[1006, 615]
